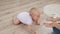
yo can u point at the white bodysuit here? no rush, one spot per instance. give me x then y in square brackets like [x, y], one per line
[25, 18]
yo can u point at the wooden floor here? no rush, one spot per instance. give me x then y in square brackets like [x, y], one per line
[9, 8]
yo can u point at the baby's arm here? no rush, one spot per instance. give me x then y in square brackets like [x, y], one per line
[38, 22]
[31, 29]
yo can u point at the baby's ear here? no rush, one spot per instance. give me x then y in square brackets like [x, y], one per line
[30, 14]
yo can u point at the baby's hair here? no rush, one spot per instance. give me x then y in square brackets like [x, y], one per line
[32, 12]
[33, 8]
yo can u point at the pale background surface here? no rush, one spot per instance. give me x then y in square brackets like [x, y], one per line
[9, 8]
[52, 10]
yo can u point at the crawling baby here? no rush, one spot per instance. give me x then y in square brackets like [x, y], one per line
[33, 16]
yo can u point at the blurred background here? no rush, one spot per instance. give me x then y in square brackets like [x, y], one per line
[10, 8]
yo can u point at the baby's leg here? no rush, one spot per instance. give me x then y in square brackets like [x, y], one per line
[16, 21]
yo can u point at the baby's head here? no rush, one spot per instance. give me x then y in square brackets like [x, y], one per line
[35, 13]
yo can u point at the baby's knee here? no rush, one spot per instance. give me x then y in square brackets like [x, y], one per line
[16, 23]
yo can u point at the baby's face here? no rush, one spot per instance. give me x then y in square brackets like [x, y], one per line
[35, 15]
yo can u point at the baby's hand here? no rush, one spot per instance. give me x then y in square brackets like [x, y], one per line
[37, 23]
[33, 32]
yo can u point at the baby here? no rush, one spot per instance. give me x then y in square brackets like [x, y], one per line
[28, 18]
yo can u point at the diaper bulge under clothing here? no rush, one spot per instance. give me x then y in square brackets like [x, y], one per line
[25, 18]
